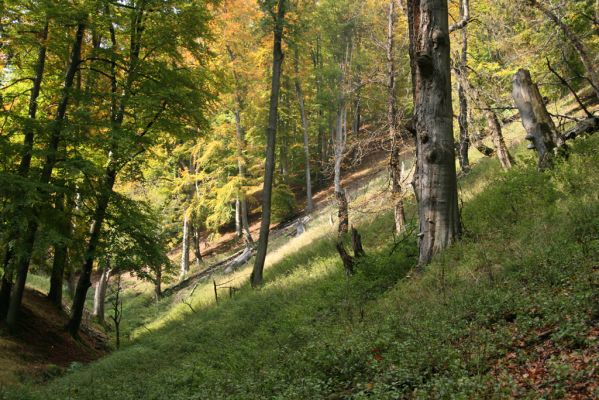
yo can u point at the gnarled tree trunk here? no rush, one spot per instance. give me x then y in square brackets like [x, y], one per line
[435, 181]
[540, 129]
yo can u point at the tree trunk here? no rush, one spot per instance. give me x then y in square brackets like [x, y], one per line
[60, 254]
[28, 239]
[541, 131]
[257, 273]
[100, 295]
[6, 284]
[196, 242]
[306, 131]
[463, 101]
[238, 230]
[587, 60]
[435, 181]
[392, 121]
[343, 212]
[84, 282]
[185, 247]
[158, 283]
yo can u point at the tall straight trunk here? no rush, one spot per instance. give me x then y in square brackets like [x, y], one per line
[60, 253]
[28, 239]
[585, 57]
[84, 282]
[158, 283]
[392, 121]
[493, 124]
[238, 229]
[185, 247]
[463, 101]
[306, 131]
[435, 181]
[196, 242]
[257, 273]
[100, 295]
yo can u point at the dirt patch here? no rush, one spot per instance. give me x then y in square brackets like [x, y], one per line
[42, 347]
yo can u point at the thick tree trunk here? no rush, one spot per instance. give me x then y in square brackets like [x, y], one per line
[435, 181]
[60, 255]
[100, 295]
[343, 212]
[392, 121]
[306, 131]
[185, 247]
[585, 57]
[257, 273]
[541, 130]
[28, 239]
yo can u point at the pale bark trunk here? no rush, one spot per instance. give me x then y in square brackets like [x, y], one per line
[435, 181]
[100, 295]
[392, 121]
[585, 57]
[196, 242]
[238, 230]
[257, 273]
[28, 239]
[541, 130]
[306, 132]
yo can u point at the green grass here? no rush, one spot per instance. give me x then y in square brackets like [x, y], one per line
[523, 281]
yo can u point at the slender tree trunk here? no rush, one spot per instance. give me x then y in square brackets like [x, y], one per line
[84, 282]
[257, 273]
[100, 295]
[435, 181]
[60, 254]
[306, 131]
[463, 101]
[392, 121]
[238, 229]
[185, 247]
[196, 242]
[28, 239]
[585, 57]
[158, 283]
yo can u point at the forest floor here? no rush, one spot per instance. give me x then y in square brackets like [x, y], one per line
[43, 348]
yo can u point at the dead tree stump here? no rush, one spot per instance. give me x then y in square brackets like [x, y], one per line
[540, 129]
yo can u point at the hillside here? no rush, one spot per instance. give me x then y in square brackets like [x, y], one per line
[510, 311]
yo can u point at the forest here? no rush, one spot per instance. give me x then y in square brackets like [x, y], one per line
[299, 199]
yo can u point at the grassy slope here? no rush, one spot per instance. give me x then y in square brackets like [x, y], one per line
[512, 310]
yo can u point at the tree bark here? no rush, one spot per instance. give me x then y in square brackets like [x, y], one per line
[392, 121]
[587, 60]
[100, 295]
[435, 181]
[343, 212]
[541, 130]
[306, 131]
[6, 284]
[463, 101]
[196, 242]
[28, 239]
[257, 273]
[185, 247]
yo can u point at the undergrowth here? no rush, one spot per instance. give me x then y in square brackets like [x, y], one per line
[511, 310]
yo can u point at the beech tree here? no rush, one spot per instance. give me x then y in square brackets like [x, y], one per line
[435, 181]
